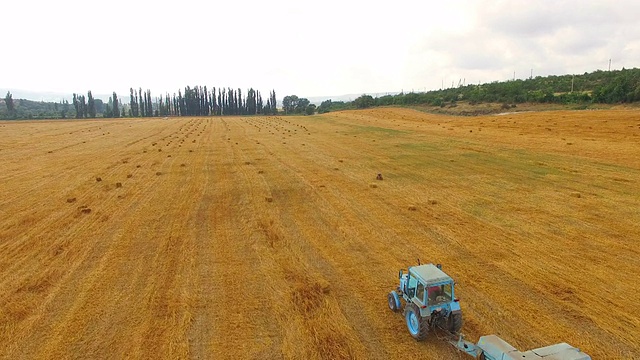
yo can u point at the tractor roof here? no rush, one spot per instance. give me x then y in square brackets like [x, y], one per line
[429, 273]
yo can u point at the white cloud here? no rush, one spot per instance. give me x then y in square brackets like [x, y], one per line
[307, 48]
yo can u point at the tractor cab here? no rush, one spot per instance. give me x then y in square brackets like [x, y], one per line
[428, 287]
[429, 298]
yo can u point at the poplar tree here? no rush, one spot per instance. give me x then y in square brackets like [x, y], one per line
[91, 105]
[8, 101]
[83, 106]
[142, 103]
[75, 105]
[133, 102]
[116, 109]
[274, 102]
[108, 112]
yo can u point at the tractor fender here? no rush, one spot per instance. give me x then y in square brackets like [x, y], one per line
[455, 307]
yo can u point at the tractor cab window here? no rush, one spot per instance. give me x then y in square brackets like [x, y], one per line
[433, 292]
[420, 292]
[439, 294]
[411, 286]
[446, 289]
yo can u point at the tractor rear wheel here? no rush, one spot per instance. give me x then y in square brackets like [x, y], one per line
[417, 325]
[455, 322]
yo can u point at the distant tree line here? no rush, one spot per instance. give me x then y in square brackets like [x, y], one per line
[200, 101]
[196, 101]
[28, 109]
[291, 104]
[603, 87]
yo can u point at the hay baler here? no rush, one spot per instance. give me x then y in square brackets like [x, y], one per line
[429, 302]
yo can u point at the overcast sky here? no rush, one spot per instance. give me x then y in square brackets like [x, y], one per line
[312, 48]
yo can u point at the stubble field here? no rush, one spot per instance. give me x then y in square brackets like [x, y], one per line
[269, 237]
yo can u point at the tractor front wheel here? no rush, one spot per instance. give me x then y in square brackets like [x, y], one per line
[417, 325]
[394, 301]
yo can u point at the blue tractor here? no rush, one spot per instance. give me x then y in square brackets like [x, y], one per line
[430, 302]
[429, 298]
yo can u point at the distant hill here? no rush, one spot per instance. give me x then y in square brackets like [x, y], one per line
[599, 87]
[28, 109]
[42, 105]
[46, 96]
[317, 100]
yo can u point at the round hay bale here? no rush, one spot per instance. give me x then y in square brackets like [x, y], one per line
[98, 179]
[158, 173]
[118, 184]
[432, 201]
[324, 286]
[168, 156]
[138, 166]
[129, 176]
[85, 211]
[183, 165]
[576, 194]
[260, 171]
[71, 200]
[268, 199]
[412, 208]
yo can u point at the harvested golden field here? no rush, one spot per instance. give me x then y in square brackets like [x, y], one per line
[269, 237]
